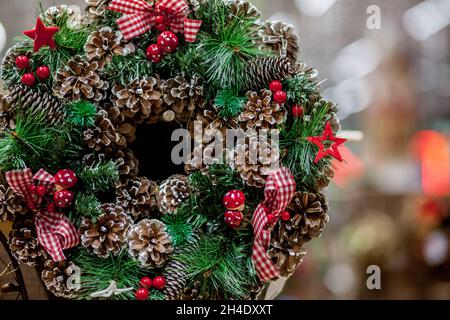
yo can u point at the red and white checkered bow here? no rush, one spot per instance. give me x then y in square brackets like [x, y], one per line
[278, 193]
[139, 17]
[54, 231]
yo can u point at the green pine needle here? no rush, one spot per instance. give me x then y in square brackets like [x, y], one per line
[227, 50]
[301, 87]
[178, 228]
[100, 177]
[81, 113]
[229, 104]
[96, 274]
[86, 205]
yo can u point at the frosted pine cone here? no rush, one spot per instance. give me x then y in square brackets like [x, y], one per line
[137, 196]
[244, 9]
[309, 214]
[172, 193]
[108, 234]
[103, 134]
[102, 45]
[260, 112]
[6, 114]
[79, 79]
[149, 243]
[139, 100]
[183, 96]
[55, 276]
[96, 8]
[23, 242]
[280, 38]
[11, 204]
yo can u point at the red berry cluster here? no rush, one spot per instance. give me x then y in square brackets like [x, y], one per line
[234, 201]
[62, 197]
[167, 42]
[146, 284]
[280, 96]
[28, 79]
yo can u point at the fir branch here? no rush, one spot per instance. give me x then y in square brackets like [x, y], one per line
[86, 205]
[300, 152]
[179, 229]
[96, 274]
[228, 103]
[131, 67]
[227, 51]
[81, 113]
[301, 87]
[100, 177]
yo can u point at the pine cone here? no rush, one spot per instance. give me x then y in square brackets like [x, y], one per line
[23, 242]
[140, 100]
[103, 134]
[55, 276]
[10, 56]
[96, 8]
[286, 249]
[243, 9]
[10, 204]
[193, 293]
[137, 196]
[211, 122]
[125, 158]
[149, 243]
[6, 114]
[35, 102]
[183, 96]
[80, 79]
[102, 45]
[255, 161]
[280, 38]
[108, 234]
[172, 193]
[260, 112]
[124, 127]
[325, 177]
[261, 71]
[54, 13]
[309, 214]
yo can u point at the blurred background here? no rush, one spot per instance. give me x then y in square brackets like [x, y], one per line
[387, 65]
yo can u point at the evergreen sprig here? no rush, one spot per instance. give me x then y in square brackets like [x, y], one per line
[100, 177]
[301, 87]
[98, 272]
[229, 103]
[81, 113]
[178, 228]
[131, 67]
[86, 205]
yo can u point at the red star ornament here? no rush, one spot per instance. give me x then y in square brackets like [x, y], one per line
[331, 150]
[42, 35]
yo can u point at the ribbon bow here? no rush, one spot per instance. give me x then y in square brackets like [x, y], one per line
[139, 17]
[278, 193]
[54, 231]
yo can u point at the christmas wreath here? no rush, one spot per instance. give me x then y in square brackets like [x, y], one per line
[94, 101]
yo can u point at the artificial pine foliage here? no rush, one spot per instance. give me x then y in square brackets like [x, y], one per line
[86, 105]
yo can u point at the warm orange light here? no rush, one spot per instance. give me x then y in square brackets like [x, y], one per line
[433, 152]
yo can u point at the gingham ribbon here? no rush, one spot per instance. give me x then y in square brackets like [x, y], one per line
[139, 17]
[54, 231]
[278, 193]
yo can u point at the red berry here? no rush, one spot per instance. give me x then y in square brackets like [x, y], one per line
[51, 208]
[233, 218]
[154, 53]
[146, 282]
[168, 41]
[141, 294]
[297, 111]
[234, 200]
[22, 62]
[66, 178]
[275, 86]
[41, 190]
[32, 189]
[285, 216]
[159, 283]
[63, 198]
[28, 79]
[43, 72]
[271, 218]
[31, 205]
[159, 20]
[161, 27]
[280, 97]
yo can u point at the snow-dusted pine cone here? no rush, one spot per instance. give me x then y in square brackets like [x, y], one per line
[11, 204]
[107, 235]
[105, 43]
[6, 114]
[103, 134]
[55, 276]
[172, 192]
[140, 100]
[138, 196]
[79, 79]
[23, 242]
[260, 112]
[96, 8]
[243, 8]
[149, 243]
[280, 38]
